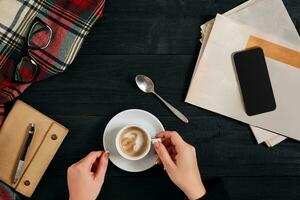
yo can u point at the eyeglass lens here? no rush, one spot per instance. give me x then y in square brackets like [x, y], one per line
[26, 70]
[39, 36]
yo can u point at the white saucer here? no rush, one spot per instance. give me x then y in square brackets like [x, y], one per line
[128, 117]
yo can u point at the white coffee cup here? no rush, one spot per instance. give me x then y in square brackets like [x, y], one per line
[147, 145]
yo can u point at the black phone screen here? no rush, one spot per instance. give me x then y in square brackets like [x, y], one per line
[254, 81]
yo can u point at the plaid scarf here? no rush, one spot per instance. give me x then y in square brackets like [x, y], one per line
[70, 21]
[6, 193]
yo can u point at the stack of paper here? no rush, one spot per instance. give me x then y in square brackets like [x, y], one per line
[270, 17]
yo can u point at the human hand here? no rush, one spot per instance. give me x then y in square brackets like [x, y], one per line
[180, 162]
[86, 177]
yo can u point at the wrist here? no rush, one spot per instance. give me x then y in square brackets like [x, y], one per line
[195, 192]
[74, 198]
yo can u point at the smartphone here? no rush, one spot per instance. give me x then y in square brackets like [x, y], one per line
[254, 80]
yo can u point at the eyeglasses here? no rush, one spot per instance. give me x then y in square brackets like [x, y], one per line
[38, 38]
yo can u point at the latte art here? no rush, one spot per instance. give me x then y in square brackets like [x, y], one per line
[133, 141]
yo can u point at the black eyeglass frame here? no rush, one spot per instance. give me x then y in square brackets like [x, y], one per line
[27, 47]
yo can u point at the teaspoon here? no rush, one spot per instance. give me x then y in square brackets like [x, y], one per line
[146, 85]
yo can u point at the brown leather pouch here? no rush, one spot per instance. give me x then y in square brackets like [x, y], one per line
[47, 138]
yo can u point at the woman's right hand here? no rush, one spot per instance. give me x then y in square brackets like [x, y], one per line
[180, 162]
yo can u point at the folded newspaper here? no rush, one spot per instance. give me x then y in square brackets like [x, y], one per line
[270, 16]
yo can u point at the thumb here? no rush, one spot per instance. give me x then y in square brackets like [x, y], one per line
[164, 155]
[102, 166]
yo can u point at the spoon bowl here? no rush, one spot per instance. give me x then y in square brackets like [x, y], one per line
[144, 83]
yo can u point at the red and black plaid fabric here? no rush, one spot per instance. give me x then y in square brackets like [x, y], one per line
[70, 20]
[7, 193]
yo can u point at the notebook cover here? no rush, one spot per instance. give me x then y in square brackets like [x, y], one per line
[47, 138]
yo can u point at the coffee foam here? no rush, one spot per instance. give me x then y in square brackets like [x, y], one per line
[133, 141]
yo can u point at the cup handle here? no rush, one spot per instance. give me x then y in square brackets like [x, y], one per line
[153, 140]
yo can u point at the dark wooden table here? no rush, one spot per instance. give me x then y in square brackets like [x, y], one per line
[161, 39]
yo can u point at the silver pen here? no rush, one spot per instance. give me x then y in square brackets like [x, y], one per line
[23, 153]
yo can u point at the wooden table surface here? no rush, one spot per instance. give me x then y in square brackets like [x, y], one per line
[161, 39]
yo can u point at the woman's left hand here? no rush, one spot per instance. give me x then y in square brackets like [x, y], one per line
[86, 177]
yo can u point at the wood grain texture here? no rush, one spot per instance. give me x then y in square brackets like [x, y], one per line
[265, 188]
[225, 146]
[159, 27]
[160, 39]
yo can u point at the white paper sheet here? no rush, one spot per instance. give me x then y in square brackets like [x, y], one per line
[241, 13]
[217, 88]
[271, 139]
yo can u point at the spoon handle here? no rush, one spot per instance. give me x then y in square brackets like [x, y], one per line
[174, 110]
